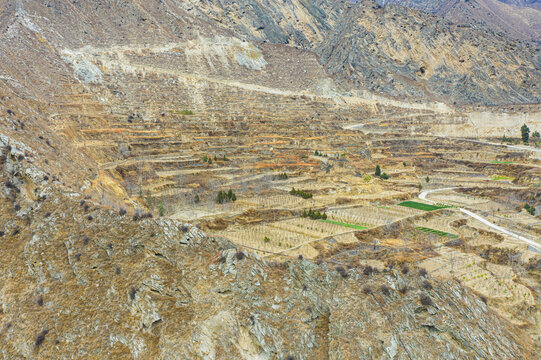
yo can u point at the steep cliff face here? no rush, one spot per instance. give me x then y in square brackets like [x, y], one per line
[516, 19]
[416, 55]
[82, 281]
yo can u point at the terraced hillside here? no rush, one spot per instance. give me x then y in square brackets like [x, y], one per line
[95, 282]
[290, 132]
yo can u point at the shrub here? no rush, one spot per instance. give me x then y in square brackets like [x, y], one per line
[122, 212]
[240, 255]
[426, 300]
[368, 270]
[41, 337]
[266, 239]
[530, 209]
[385, 290]
[342, 272]
[427, 285]
[133, 291]
[314, 215]
[86, 239]
[90, 217]
[224, 197]
[404, 290]
[2, 233]
[405, 269]
[17, 207]
[40, 301]
[377, 173]
[422, 272]
[282, 176]
[384, 176]
[367, 290]
[117, 270]
[15, 232]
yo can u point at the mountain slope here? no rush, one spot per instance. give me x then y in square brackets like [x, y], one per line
[416, 55]
[479, 66]
[513, 19]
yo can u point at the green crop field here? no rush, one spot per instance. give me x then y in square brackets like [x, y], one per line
[501, 162]
[436, 232]
[422, 206]
[352, 226]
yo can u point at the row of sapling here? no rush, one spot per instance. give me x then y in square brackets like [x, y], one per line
[301, 193]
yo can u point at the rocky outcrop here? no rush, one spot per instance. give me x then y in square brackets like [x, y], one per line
[416, 55]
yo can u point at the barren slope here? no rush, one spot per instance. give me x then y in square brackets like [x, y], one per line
[516, 20]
